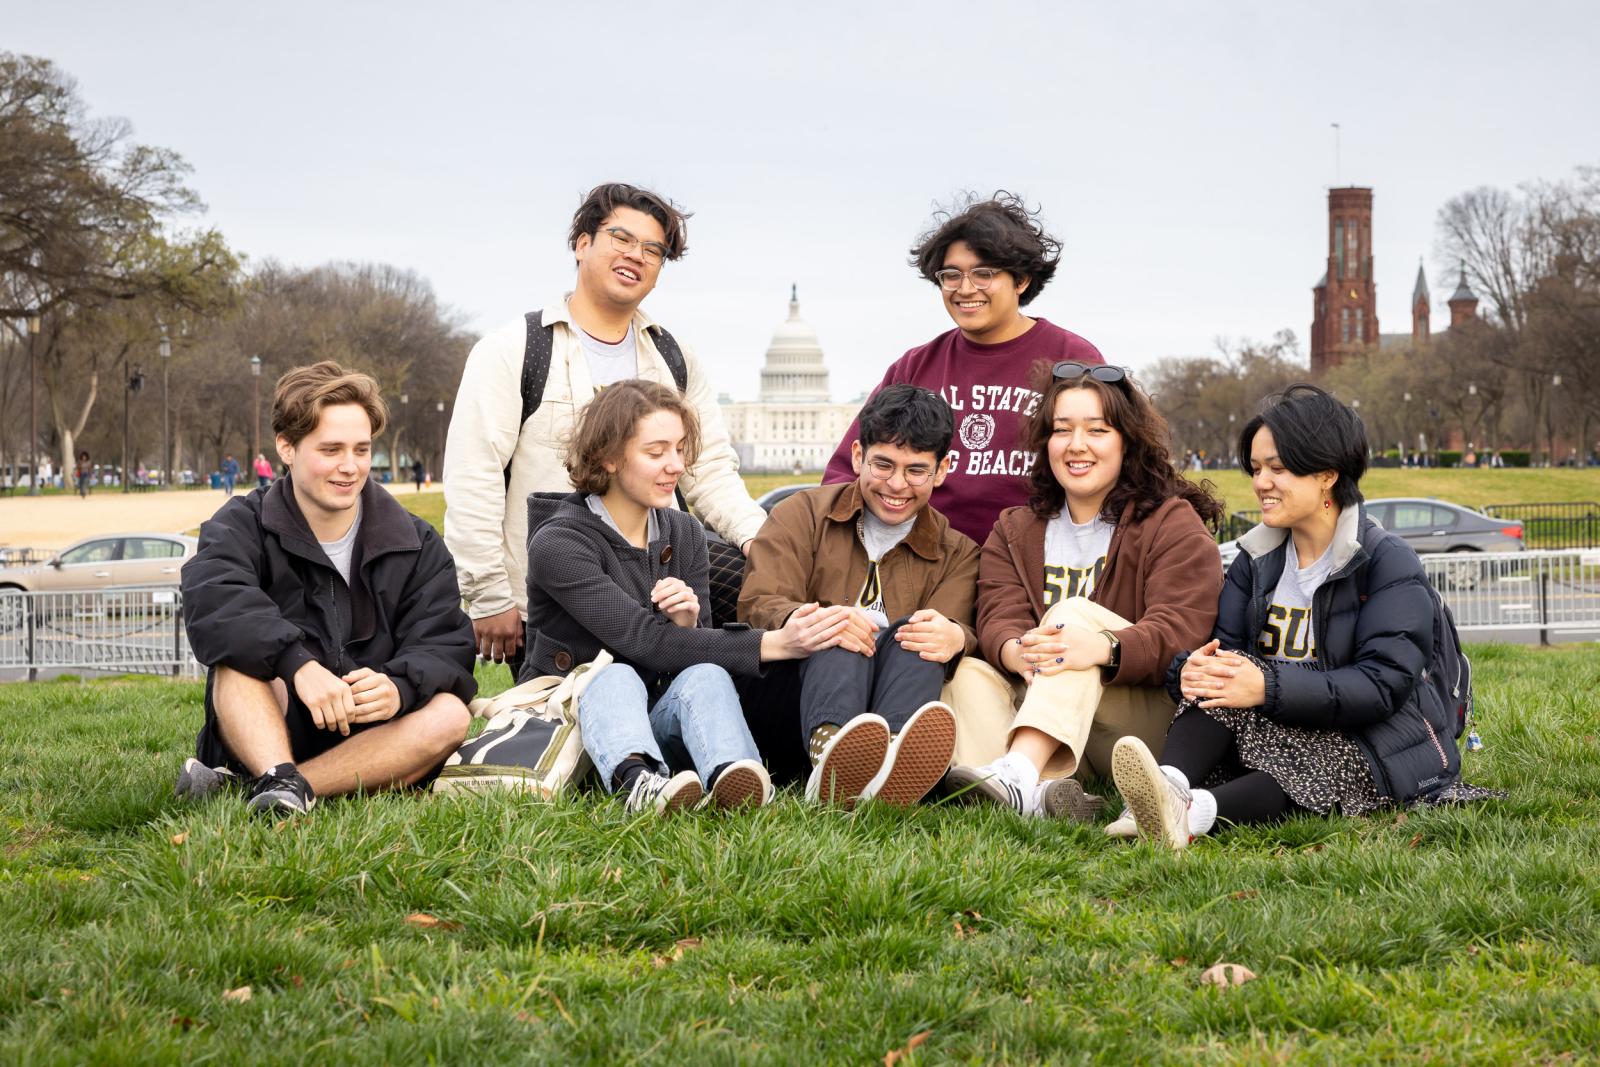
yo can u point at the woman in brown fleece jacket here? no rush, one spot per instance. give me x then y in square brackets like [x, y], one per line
[1084, 597]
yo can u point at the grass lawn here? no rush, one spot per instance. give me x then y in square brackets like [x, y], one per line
[419, 929]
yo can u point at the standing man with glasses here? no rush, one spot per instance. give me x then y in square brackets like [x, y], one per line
[523, 385]
[989, 261]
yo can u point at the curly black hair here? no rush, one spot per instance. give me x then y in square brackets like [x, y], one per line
[1002, 231]
[1314, 432]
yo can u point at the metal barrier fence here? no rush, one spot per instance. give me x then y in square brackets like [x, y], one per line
[23, 557]
[1566, 524]
[125, 631]
[1544, 591]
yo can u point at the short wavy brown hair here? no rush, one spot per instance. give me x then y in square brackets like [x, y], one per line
[602, 200]
[302, 393]
[609, 421]
[1148, 478]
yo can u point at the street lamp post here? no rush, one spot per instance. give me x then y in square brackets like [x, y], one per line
[399, 432]
[33, 408]
[134, 384]
[255, 423]
[166, 409]
[1550, 420]
[438, 464]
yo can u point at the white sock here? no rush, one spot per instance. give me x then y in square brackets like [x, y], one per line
[1202, 811]
[1175, 775]
[1020, 770]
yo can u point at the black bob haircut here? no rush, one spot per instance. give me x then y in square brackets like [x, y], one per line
[1003, 233]
[1314, 432]
[908, 416]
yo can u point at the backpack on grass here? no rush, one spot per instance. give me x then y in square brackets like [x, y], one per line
[531, 743]
[1448, 670]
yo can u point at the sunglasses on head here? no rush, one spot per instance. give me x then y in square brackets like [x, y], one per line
[1067, 371]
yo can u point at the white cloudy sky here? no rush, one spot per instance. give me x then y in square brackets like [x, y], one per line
[1181, 150]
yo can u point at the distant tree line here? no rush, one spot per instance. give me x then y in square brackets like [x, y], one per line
[1523, 378]
[103, 267]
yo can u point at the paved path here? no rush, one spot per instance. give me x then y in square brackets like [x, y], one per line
[57, 521]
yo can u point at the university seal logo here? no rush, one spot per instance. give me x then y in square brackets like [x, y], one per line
[976, 432]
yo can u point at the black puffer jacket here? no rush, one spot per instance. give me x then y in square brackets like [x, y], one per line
[260, 596]
[589, 589]
[1373, 620]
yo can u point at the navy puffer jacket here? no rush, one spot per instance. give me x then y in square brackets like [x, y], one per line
[1373, 621]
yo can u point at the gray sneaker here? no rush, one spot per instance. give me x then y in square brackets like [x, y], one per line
[196, 780]
[1064, 798]
[283, 790]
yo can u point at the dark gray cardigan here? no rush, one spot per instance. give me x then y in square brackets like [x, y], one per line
[589, 589]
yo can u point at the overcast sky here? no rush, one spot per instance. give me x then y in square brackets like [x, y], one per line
[1181, 151]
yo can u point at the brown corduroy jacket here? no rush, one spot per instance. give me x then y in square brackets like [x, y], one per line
[1162, 572]
[809, 550]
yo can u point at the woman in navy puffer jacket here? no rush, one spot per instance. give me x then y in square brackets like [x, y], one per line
[1308, 696]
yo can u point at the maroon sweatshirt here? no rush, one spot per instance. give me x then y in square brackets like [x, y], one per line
[987, 387]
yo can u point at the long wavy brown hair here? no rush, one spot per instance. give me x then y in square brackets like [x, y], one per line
[1148, 478]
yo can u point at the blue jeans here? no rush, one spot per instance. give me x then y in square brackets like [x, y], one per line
[695, 725]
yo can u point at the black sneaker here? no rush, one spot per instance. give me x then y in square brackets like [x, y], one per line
[196, 780]
[281, 791]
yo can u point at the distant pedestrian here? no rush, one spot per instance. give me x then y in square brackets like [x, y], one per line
[82, 473]
[263, 471]
[418, 473]
[230, 473]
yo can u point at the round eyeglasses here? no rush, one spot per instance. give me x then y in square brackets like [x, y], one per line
[949, 279]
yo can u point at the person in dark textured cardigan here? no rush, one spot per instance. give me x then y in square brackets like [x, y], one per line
[1310, 695]
[614, 565]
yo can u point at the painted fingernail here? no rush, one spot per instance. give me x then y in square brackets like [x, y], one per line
[1058, 659]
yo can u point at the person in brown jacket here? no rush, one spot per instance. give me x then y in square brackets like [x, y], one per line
[1084, 597]
[871, 551]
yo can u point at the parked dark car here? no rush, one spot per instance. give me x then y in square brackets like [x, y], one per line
[1438, 526]
[771, 497]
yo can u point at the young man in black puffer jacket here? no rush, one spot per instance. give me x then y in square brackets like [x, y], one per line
[329, 616]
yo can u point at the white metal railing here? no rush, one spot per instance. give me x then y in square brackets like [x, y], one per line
[1546, 591]
[126, 631]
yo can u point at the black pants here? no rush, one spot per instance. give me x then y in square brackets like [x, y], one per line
[836, 686]
[1198, 745]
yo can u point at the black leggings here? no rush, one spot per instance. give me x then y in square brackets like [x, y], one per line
[1197, 744]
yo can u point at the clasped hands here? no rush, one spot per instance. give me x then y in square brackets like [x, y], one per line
[927, 633]
[1051, 648]
[336, 702]
[1215, 679]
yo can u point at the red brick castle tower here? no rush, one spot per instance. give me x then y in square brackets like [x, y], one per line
[1345, 302]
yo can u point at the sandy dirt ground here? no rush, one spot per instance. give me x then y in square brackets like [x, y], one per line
[57, 521]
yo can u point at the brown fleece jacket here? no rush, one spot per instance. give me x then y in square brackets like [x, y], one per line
[1162, 572]
[809, 550]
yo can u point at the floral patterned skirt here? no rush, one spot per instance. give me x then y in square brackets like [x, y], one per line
[1320, 770]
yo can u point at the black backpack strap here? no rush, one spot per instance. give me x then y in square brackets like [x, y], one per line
[536, 349]
[667, 345]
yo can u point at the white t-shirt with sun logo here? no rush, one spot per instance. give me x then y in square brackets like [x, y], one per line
[1074, 556]
[1287, 635]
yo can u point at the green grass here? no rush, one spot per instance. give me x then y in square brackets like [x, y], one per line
[575, 934]
[1473, 488]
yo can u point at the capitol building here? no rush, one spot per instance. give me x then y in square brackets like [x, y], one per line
[792, 425]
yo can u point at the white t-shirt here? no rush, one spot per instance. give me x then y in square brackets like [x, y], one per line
[1288, 635]
[610, 363]
[1074, 556]
[878, 537]
[340, 551]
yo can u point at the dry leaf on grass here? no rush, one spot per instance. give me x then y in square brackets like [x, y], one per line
[178, 839]
[1244, 894]
[961, 931]
[895, 1055]
[679, 947]
[428, 922]
[1181, 961]
[241, 995]
[1226, 975]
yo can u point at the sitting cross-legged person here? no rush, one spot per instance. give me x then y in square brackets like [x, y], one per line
[329, 618]
[874, 555]
[1084, 597]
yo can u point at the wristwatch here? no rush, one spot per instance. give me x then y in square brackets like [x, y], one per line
[1116, 650]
